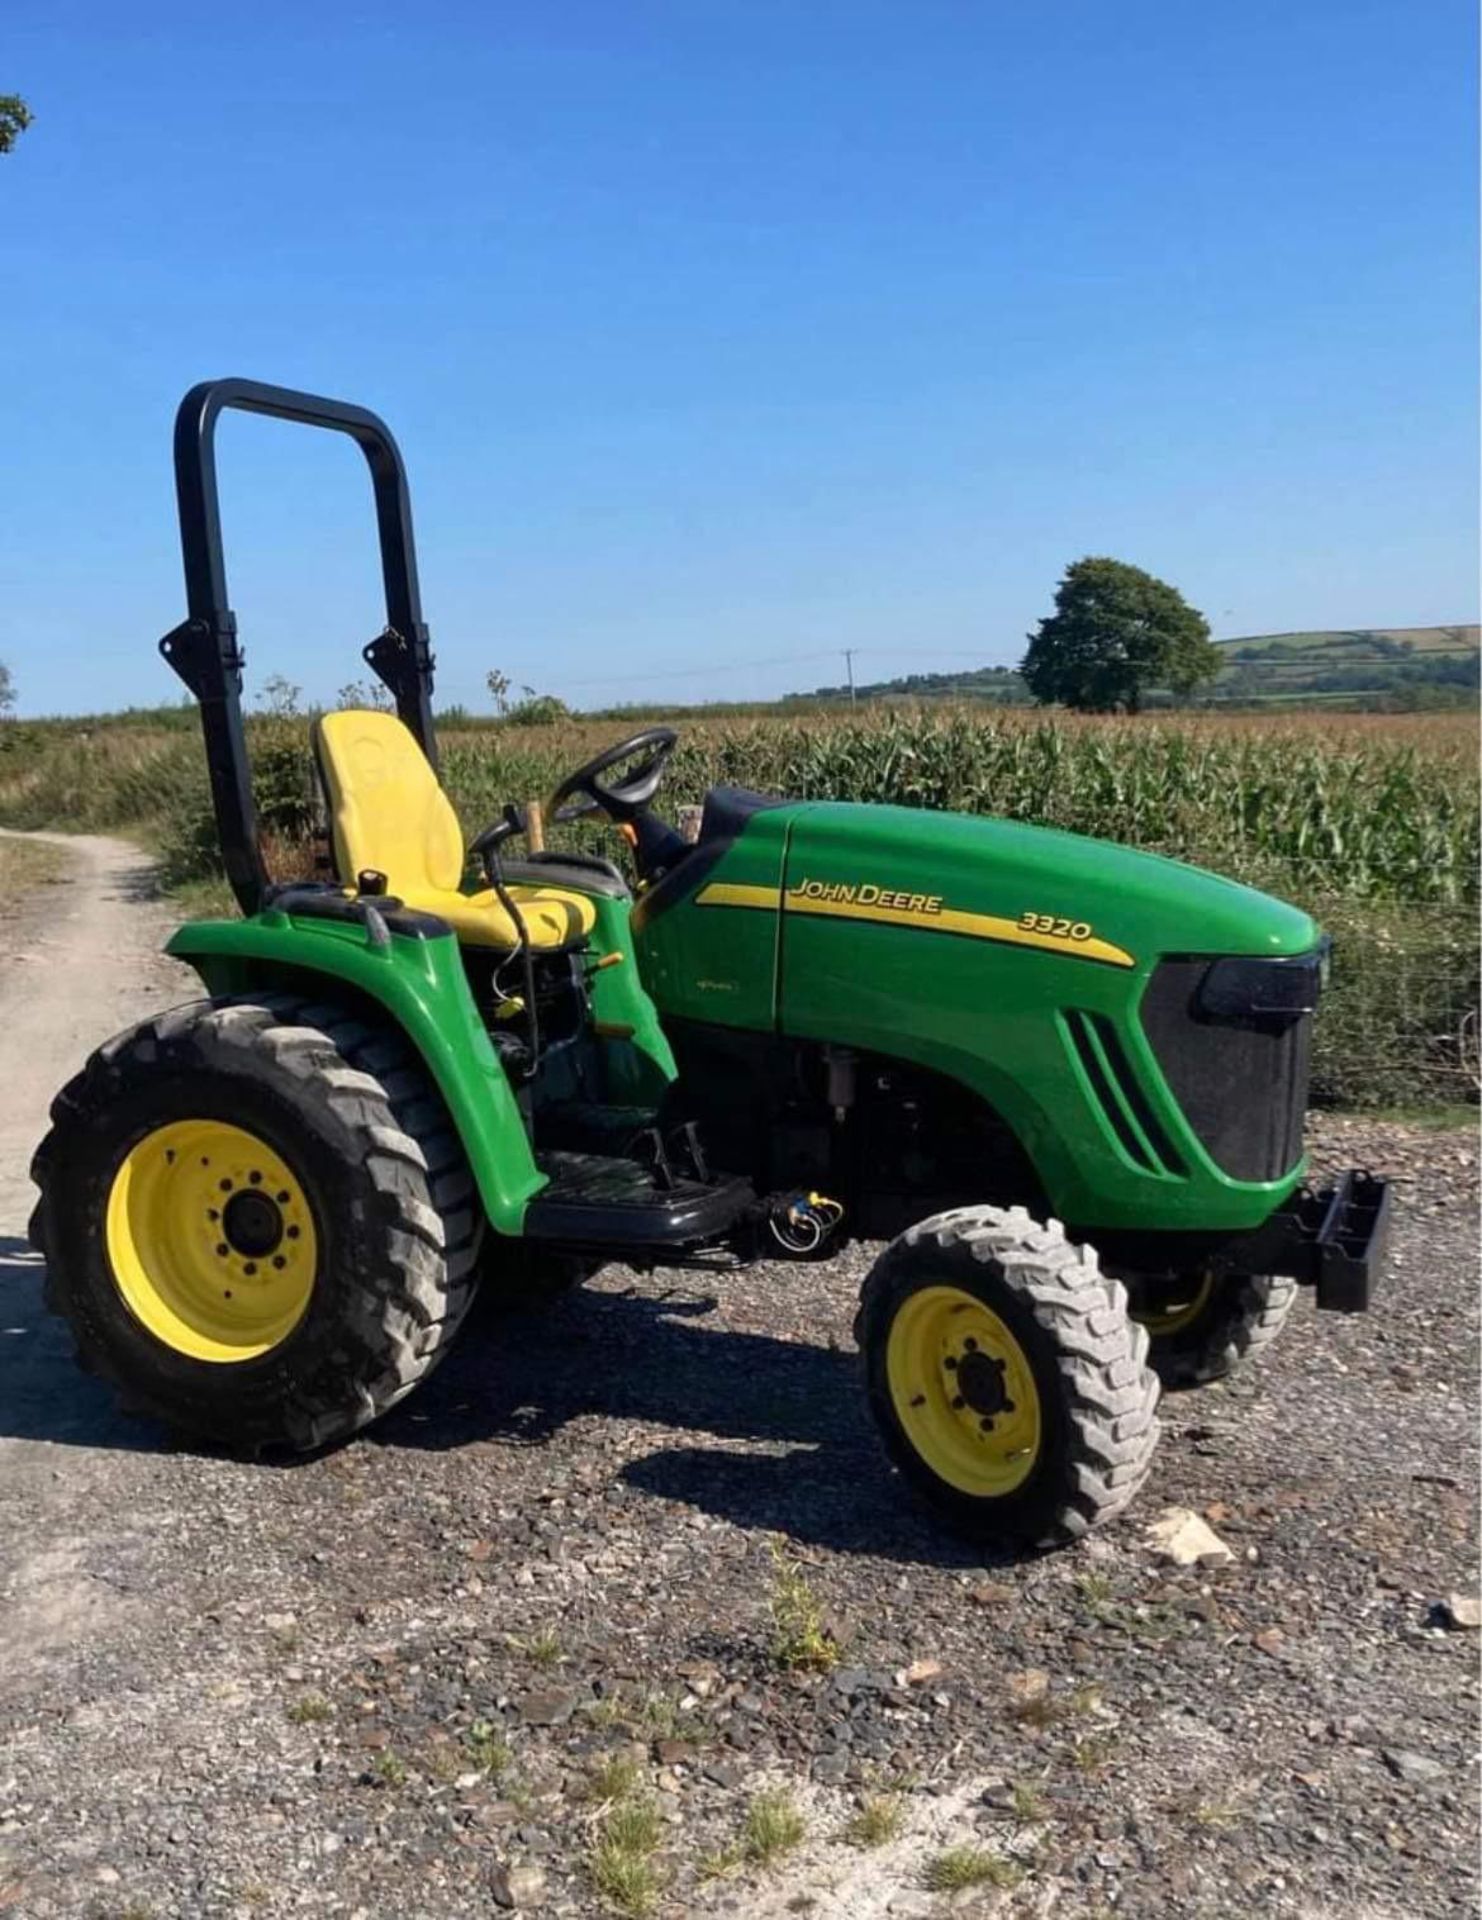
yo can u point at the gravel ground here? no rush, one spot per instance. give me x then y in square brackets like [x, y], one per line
[391, 1681]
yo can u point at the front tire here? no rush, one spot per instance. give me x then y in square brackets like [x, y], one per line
[1006, 1378]
[257, 1220]
[1205, 1328]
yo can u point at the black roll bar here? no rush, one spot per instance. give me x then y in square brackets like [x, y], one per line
[203, 649]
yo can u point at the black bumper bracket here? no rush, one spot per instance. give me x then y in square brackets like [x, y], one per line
[1336, 1240]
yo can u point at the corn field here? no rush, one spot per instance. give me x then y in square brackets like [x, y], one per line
[1371, 822]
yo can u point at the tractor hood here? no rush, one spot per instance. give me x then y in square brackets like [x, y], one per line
[1060, 980]
[1025, 886]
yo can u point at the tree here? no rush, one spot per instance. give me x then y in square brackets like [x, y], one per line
[1115, 632]
[7, 689]
[15, 117]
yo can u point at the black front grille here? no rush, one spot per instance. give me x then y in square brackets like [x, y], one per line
[1234, 1040]
[1123, 1102]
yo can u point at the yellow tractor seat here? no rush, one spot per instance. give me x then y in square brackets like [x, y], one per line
[389, 815]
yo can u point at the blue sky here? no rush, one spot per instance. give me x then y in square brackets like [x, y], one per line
[725, 332]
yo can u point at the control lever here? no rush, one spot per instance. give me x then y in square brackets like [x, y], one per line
[486, 848]
[511, 822]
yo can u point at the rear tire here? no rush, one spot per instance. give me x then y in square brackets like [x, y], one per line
[1007, 1380]
[1222, 1323]
[381, 1198]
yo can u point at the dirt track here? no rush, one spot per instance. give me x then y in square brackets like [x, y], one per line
[228, 1689]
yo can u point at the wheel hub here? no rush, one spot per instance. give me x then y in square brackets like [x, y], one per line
[252, 1224]
[980, 1378]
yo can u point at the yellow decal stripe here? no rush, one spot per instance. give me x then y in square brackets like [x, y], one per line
[974, 926]
[722, 893]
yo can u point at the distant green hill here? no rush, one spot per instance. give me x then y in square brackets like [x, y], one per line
[1379, 666]
[1378, 642]
[1383, 666]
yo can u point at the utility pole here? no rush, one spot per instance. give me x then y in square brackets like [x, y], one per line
[849, 653]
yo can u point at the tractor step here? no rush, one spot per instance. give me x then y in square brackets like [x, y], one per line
[604, 1204]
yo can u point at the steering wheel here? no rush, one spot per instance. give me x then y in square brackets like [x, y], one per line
[583, 792]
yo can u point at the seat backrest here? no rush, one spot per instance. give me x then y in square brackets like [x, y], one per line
[386, 808]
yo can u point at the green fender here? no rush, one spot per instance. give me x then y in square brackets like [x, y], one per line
[422, 986]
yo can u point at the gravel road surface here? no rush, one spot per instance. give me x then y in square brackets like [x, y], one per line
[413, 1677]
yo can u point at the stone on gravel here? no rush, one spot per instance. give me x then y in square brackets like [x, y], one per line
[1462, 1612]
[1025, 1688]
[1413, 1768]
[517, 1887]
[551, 1707]
[1187, 1539]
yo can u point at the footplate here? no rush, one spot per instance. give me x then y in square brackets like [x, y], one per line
[608, 1204]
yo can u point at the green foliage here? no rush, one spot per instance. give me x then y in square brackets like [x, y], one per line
[310, 1710]
[621, 1862]
[488, 1750]
[363, 693]
[279, 697]
[538, 710]
[7, 688]
[878, 1821]
[15, 117]
[773, 1826]
[613, 1778]
[800, 1640]
[1004, 686]
[1115, 632]
[960, 1867]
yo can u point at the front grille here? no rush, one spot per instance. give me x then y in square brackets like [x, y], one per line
[1238, 1066]
[1122, 1101]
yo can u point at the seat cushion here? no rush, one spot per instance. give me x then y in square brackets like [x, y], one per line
[551, 915]
[389, 815]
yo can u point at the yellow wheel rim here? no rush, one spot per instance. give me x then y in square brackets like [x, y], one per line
[211, 1240]
[963, 1391]
[1175, 1314]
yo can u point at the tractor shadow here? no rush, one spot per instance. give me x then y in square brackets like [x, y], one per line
[769, 1434]
[43, 1395]
[799, 1453]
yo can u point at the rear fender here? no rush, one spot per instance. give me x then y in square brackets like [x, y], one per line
[420, 984]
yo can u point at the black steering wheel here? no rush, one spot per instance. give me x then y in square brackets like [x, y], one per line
[583, 792]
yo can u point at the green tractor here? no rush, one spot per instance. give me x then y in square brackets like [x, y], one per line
[1064, 1080]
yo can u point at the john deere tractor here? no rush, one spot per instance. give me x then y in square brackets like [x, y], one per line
[1064, 1080]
